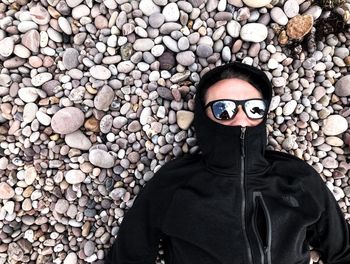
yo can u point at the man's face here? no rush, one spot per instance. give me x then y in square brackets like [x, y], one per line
[232, 89]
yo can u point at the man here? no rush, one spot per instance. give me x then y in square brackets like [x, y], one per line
[235, 202]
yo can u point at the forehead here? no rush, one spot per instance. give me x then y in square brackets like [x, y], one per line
[232, 88]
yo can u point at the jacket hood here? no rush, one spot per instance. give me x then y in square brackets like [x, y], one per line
[221, 144]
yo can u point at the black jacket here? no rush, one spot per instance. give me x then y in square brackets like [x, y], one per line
[233, 203]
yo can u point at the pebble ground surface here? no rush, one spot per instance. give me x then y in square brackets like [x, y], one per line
[95, 96]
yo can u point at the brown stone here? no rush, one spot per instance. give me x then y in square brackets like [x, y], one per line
[283, 38]
[92, 124]
[299, 26]
[53, 12]
[54, 100]
[347, 60]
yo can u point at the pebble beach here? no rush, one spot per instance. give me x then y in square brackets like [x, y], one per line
[95, 96]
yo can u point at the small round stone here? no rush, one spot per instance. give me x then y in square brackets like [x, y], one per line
[100, 72]
[75, 176]
[28, 94]
[289, 107]
[71, 258]
[342, 87]
[183, 43]
[171, 12]
[334, 125]
[77, 140]
[279, 16]
[104, 98]
[7, 46]
[143, 44]
[101, 158]
[29, 112]
[120, 121]
[253, 32]
[134, 126]
[125, 66]
[184, 118]
[67, 120]
[41, 78]
[155, 20]
[291, 8]
[61, 206]
[39, 15]
[6, 191]
[70, 58]
[80, 11]
[65, 25]
[43, 118]
[21, 51]
[186, 58]
[233, 28]
[148, 7]
[315, 11]
[204, 51]
[89, 248]
[256, 3]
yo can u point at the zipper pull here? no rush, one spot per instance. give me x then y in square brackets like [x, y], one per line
[243, 128]
[242, 140]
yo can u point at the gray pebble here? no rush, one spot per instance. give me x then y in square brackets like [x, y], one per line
[104, 98]
[342, 87]
[186, 58]
[61, 206]
[89, 248]
[204, 51]
[134, 126]
[101, 158]
[70, 58]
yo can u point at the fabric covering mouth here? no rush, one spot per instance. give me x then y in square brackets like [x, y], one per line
[220, 144]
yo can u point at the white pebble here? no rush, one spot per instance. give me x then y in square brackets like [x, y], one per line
[253, 32]
[64, 25]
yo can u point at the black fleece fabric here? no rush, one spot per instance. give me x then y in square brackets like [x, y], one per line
[234, 202]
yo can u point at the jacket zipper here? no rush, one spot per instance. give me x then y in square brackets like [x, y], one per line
[243, 129]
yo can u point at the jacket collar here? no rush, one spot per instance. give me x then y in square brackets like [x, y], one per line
[221, 144]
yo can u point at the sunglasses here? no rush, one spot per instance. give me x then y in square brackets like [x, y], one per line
[226, 109]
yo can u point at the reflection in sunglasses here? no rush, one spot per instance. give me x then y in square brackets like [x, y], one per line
[225, 109]
[257, 110]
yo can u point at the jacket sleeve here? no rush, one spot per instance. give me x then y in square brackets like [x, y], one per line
[331, 233]
[138, 235]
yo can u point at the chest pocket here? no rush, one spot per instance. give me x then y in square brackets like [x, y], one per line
[262, 227]
[280, 221]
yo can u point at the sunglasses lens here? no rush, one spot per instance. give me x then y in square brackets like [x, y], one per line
[255, 109]
[224, 110]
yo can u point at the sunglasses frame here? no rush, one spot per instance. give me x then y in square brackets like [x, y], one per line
[237, 102]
